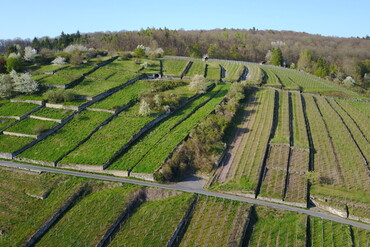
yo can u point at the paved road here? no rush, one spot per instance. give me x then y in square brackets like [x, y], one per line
[185, 188]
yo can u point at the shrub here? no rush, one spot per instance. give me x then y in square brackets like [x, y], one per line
[144, 109]
[75, 59]
[139, 51]
[59, 96]
[198, 84]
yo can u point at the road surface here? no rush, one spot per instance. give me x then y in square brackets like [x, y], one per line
[185, 188]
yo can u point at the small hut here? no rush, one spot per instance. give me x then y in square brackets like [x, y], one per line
[205, 58]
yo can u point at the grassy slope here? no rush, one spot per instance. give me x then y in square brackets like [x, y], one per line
[32, 126]
[153, 223]
[22, 215]
[15, 108]
[58, 144]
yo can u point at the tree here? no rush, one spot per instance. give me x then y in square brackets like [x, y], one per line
[14, 63]
[305, 61]
[23, 83]
[195, 51]
[198, 83]
[2, 65]
[277, 57]
[59, 61]
[29, 54]
[6, 85]
[322, 67]
[144, 109]
[139, 51]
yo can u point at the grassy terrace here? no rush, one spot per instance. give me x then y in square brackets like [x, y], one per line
[340, 169]
[174, 67]
[233, 71]
[153, 223]
[5, 122]
[76, 71]
[165, 146]
[272, 227]
[363, 106]
[271, 80]
[276, 166]
[52, 113]
[140, 149]
[361, 119]
[300, 138]
[91, 87]
[122, 97]
[119, 65]
[58, 79]
[350, 162]
[153, 66]
[21, 215]
[47, 68]
[329, 233]
[32, 126]
[216, 222]
[197, 68]
[10, 144]
[283, 75]
[282, 132]
[86, 222]
[357, 133]
[246, 166]
[104, 143]
[255, 74]
[313, 84]
[213, 71]
[66, 138]
[15, 108]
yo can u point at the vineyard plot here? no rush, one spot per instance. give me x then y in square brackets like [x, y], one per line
[243, 170]
[216, 222]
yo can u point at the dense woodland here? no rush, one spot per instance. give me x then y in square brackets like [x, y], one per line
[331, 57]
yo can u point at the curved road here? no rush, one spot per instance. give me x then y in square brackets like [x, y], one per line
[183, 188]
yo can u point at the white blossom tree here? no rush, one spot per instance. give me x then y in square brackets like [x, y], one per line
[29, 53]
[59, 61]
[73, 48]
[144, 109]
[198, 83]
[23, 83]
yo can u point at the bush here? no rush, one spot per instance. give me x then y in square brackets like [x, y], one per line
[76, 59]
[139, 51]
[59, 96]
[59, 61]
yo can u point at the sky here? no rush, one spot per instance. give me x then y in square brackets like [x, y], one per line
[39, 18]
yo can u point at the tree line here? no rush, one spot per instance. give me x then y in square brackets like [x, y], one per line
[332, 57]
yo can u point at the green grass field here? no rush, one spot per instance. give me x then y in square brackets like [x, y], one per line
[10, 144]
[52, 113]
[66, 138]
[15, 108]
[153, 223]
[32, 126]
[5, 122]
[87, 221]
[21, 214]
[174, 67]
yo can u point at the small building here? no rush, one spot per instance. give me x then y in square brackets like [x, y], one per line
[205, 58]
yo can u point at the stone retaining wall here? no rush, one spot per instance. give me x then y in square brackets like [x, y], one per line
[37, 102]
[19, 134]
[144, 176]
[46, 119]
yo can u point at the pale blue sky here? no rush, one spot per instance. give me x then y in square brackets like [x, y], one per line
[27, 19]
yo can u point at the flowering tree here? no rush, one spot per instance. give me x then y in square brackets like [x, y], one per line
[74, 48]
[23, 83]
[59, 61]
[198, 83]
[29, 53]
[144, 109]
